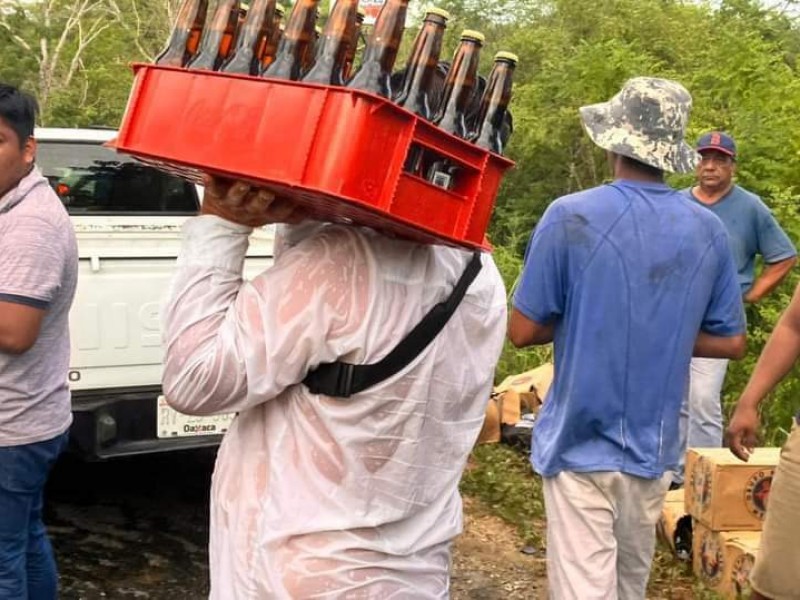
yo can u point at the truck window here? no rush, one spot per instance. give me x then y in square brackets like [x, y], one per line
[91, 179]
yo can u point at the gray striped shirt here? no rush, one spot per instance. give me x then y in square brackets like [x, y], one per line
[38, 268]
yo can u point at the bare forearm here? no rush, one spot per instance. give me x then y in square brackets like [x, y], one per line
[775, 362]
[770, 278]
[523, 332]
[713, 346]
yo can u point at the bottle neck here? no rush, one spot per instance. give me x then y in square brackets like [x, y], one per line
[458, 89]
[185, 36]
[495, 104]
[384, 42]
[421, 65]
[257, 25]
[211, 43]
[294, 43]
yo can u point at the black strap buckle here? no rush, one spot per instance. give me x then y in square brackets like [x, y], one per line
[332, 379]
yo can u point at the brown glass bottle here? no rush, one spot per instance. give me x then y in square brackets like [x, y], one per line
[381, 51]
[185, 36]
[309, 56]
[333, 45]
[494, 103]
[297, 35]
[217, 37]
[352, 45]
[414, 93]
[256, 27]
[460, 85]
[269, 43]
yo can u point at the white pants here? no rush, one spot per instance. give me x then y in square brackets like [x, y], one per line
[701, 412]
[601, 534]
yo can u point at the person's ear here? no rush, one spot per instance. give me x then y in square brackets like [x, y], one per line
[29, 151]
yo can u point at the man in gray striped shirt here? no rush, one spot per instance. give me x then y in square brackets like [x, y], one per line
[38, 272]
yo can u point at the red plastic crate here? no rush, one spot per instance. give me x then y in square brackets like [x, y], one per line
[339, 152]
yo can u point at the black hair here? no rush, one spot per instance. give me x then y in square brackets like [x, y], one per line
[642, 167]
[18, 110]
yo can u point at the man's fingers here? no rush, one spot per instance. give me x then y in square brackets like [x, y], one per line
[237, 193]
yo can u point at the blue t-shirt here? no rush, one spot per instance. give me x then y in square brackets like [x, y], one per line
[629, 273]
[751, 229]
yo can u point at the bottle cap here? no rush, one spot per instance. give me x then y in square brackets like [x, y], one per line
[510, 56]
[471, 34]
[440, 12]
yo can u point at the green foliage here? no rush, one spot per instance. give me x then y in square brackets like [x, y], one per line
[502, 479]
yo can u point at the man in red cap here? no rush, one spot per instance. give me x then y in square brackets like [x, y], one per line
[752, 231]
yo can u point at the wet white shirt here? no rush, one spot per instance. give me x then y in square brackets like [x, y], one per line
[312, 496]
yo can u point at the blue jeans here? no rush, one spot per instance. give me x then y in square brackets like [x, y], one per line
[701, 413]
[27, 565]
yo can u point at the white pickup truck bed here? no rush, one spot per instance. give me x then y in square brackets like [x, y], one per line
[127, 256]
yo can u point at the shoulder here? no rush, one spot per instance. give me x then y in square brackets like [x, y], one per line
[745, 195]
[578, 207]
[747, 201]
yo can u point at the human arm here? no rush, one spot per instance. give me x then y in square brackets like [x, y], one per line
[777, 250]
[233, 344]
[540, 296]
[523, 332]
[31, 265]
[777, 359]
[771, 277]
[19, 326]
[723, 329]
[716, 346]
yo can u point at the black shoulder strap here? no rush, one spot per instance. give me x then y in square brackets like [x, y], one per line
[341, 380]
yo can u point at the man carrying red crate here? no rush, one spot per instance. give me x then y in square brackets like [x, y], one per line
[343, 482]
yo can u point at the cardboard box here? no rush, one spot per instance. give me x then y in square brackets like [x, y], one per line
[490, 432]
[726, 494]
[672, 514]
[506, 408]
[723, 559]
[742, 551]
[536, 380]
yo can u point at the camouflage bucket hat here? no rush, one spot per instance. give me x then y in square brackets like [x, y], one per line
[645, 121]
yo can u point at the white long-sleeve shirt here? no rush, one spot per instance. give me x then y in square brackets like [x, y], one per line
[319, 497]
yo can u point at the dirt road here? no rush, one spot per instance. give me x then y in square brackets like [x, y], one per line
[137, 529]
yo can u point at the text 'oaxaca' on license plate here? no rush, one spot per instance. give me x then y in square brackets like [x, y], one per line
[171, 423]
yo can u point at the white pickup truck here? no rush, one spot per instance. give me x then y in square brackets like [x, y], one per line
[127, 219]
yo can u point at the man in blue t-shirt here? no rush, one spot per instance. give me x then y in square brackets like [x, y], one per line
[628, 280]
[752, 231]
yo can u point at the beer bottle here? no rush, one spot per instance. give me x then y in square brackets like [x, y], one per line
[494, 104]
[309, 56]
[185, 36]
[381, 51]
[217, 37]
[269, 43]
[459, 85]
[256, 26]
[352, 46]
[297, 35]
[422, 63]
[334, 43]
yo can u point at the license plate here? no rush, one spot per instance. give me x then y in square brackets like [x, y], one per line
[171, 423]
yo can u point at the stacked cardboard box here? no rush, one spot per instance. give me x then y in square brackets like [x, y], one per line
[727, 500]
[517, 394]
[674, 526]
